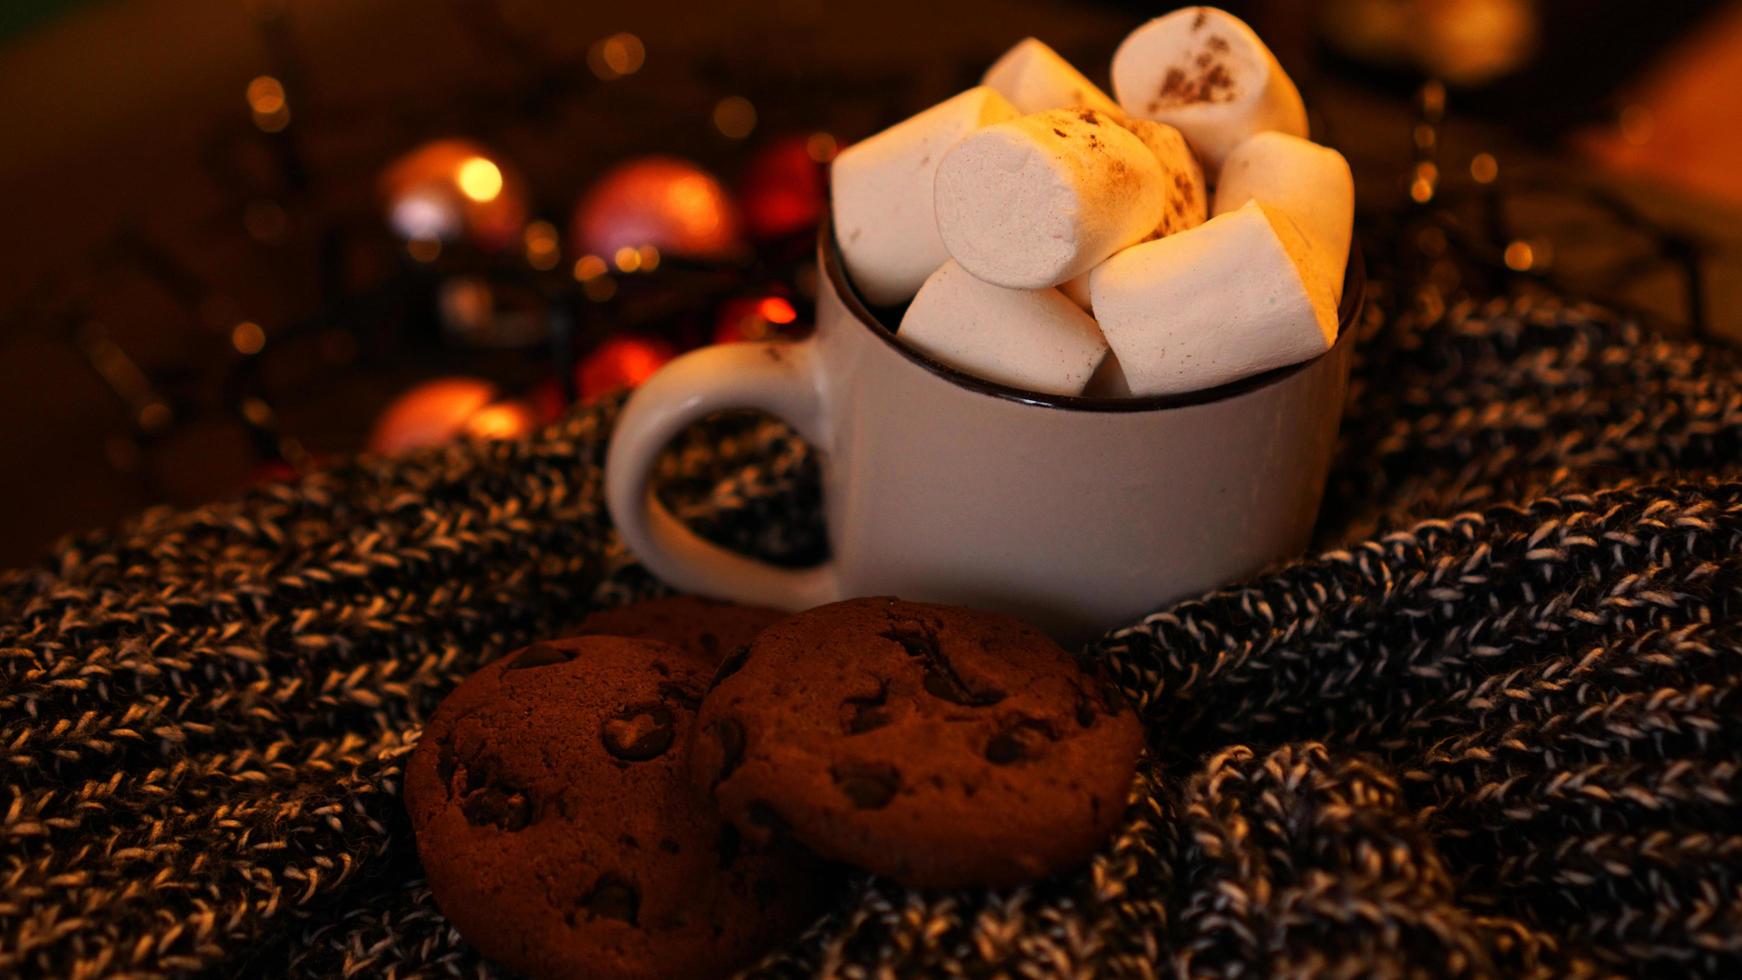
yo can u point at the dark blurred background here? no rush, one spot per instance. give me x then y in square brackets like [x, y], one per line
[233, 246]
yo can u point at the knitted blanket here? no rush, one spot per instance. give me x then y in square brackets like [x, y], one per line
[1492, 727]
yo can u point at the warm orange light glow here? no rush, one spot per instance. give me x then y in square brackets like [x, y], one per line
[503, 420]
[777, 311]
[247, 337]
[542, 249]
[649, 258]
[155, 417]
[479, 179]
[589, 267]
[265, 95]
[621, 362]
[1520, 256]
[600, 289]
[267, 102]
[734, 117]
[616, 56]
[1484, 168]
[424, 249]
[822, 147]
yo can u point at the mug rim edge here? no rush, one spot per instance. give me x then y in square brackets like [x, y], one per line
[1348, 310]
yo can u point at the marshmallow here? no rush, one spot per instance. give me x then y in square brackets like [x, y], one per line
[882, 191]
[1077, 291]
[1034, 78]
[1040, 199]
[1233, 297]
[1205, 72]
[1187, 200]
[1309, 183]
[1033, 339]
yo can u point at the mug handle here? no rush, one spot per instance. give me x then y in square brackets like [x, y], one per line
[775, 377]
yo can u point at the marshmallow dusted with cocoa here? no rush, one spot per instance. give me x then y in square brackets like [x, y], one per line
[1236, 296]
[1042, 198]
[1033, 339]
[1310, 183]
[1204, 72]
[1034, 78]
[1064, 243]
[882, 190]
[1188, 203]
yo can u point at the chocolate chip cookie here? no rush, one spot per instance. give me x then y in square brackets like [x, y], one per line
[938, 746]
[561, 833]
[708, 628]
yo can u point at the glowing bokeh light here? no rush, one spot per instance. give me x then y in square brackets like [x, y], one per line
[777, 311]
[1484, 168]
[479, 179]
[734, 117]
[616, 56]
[589, 267]
[247, 337]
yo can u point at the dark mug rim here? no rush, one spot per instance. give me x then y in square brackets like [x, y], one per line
[834, 267]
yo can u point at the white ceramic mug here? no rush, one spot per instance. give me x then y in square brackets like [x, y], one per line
[1075, 514]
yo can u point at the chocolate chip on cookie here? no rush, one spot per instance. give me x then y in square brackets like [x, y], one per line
[560, 832]
[706, 628]
[938, 746]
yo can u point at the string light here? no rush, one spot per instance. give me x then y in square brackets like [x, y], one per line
[1484, 169]
[1520, 256]
[777, 311]
[247, 337]
[479, 179]
[616, 56]
[1432, 98]
[649, 258]
[267, 102]
[257, 412]
[424, 249]
[627, 259]
[542, 250]
[734, 117]
[589, 267]
[1421, 188]
[155, 417]
[822, 147]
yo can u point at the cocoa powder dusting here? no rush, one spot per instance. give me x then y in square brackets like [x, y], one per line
[1212, 82]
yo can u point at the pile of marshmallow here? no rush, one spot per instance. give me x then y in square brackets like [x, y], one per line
[1056, 241]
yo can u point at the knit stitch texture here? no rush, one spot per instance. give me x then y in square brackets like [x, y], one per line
[1491, 727]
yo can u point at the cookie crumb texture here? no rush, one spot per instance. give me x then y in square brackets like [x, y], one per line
[560, 832]
[938, 746]
[707, 628]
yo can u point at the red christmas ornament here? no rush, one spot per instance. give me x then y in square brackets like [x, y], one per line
[445, 409]
[449, 190]
[621, 362]
[784, 189]
[753, 319]
[670, 204]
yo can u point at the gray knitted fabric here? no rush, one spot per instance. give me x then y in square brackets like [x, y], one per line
[1493, 728]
